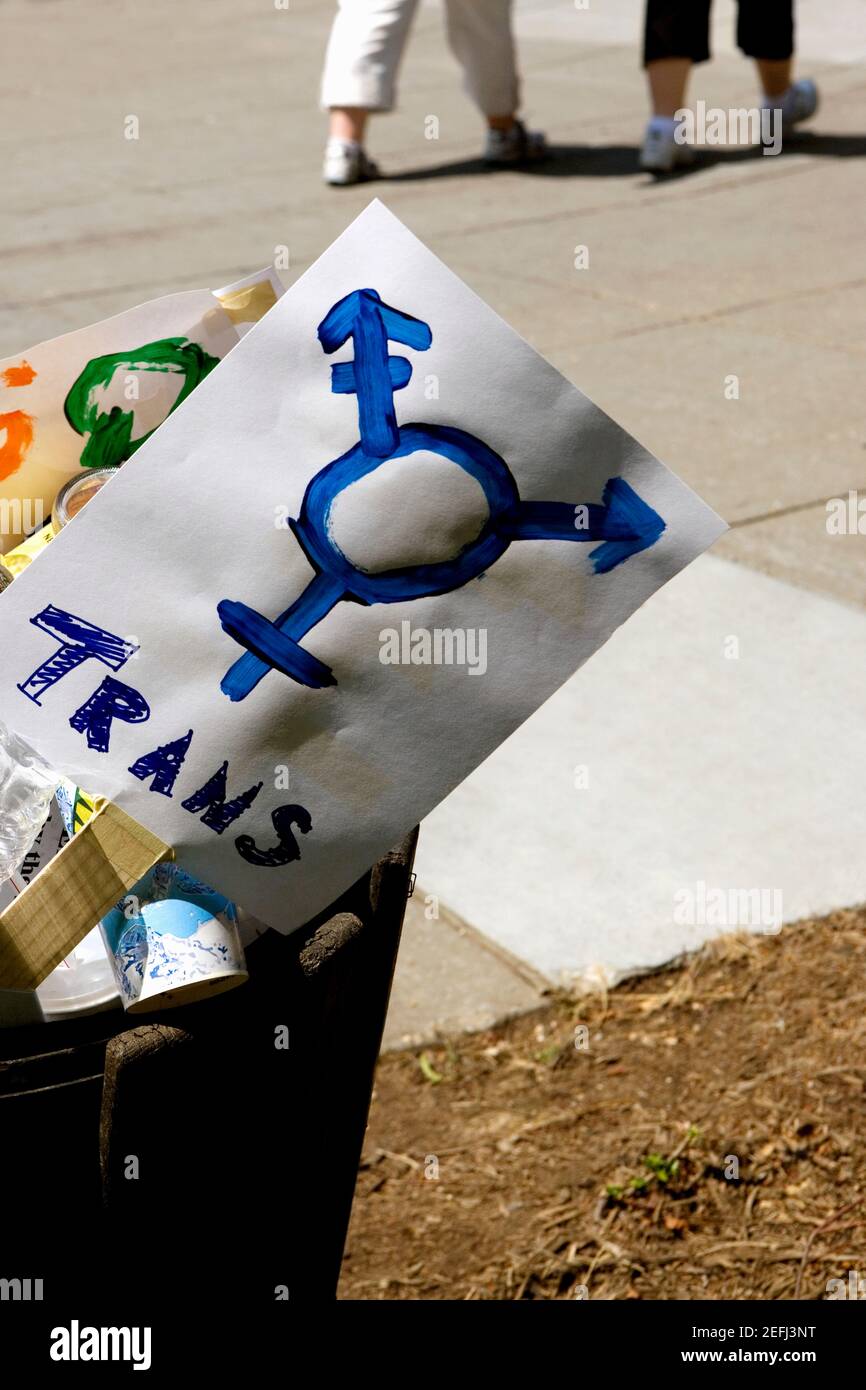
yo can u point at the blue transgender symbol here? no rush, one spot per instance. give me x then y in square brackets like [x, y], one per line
[622, 522]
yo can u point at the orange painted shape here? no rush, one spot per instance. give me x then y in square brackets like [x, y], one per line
[19, 436]
[22, 375]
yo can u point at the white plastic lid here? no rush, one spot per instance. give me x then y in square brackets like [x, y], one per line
[81, 984]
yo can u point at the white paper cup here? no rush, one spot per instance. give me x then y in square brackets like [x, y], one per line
[171, 941]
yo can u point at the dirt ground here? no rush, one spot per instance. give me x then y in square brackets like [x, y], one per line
[695, 1134]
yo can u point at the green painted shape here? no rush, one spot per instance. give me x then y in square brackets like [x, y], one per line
[110, 439]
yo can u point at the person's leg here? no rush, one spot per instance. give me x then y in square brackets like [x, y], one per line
[676, 36]
[361, 65]
[668, 79]
[775, 75]
[348, 123]
[481, 39]
[765, 32]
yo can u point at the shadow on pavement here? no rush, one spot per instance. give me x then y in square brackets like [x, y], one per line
[617, 161]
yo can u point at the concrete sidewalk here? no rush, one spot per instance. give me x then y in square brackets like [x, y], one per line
[748, 267]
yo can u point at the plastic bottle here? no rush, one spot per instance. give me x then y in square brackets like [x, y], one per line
[26, 788]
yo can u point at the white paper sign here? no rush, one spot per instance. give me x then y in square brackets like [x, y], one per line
[364, 550]
[89, 399]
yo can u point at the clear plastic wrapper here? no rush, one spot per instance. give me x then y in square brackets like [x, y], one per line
[26, 788]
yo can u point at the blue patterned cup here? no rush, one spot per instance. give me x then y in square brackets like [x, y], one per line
[172, 940]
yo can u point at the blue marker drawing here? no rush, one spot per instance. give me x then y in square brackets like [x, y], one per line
[622, 522]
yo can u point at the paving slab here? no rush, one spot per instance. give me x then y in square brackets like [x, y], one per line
[792, 434]
[828, 318]
[739, 232]
[836, 563]
[717, 739]
[450, 980]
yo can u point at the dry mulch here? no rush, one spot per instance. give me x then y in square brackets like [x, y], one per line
[694, 1134]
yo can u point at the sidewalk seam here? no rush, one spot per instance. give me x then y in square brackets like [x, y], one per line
[527, 973]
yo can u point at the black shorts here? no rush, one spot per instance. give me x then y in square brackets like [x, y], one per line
[681, 29]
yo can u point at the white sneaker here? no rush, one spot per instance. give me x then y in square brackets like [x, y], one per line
[515, 146]
[797, 104]
[346, 163]
[662, 152]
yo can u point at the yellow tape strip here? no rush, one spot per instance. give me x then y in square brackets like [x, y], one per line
[72, 893]
[249, 304]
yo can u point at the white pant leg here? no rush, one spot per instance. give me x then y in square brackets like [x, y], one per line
[479, 32]
[364, 52]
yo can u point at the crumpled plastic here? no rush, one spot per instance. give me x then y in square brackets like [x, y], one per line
[26, 788]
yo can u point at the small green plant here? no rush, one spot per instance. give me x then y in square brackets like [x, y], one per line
[428, 1070]
[659, 1170]
[663, 1169]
